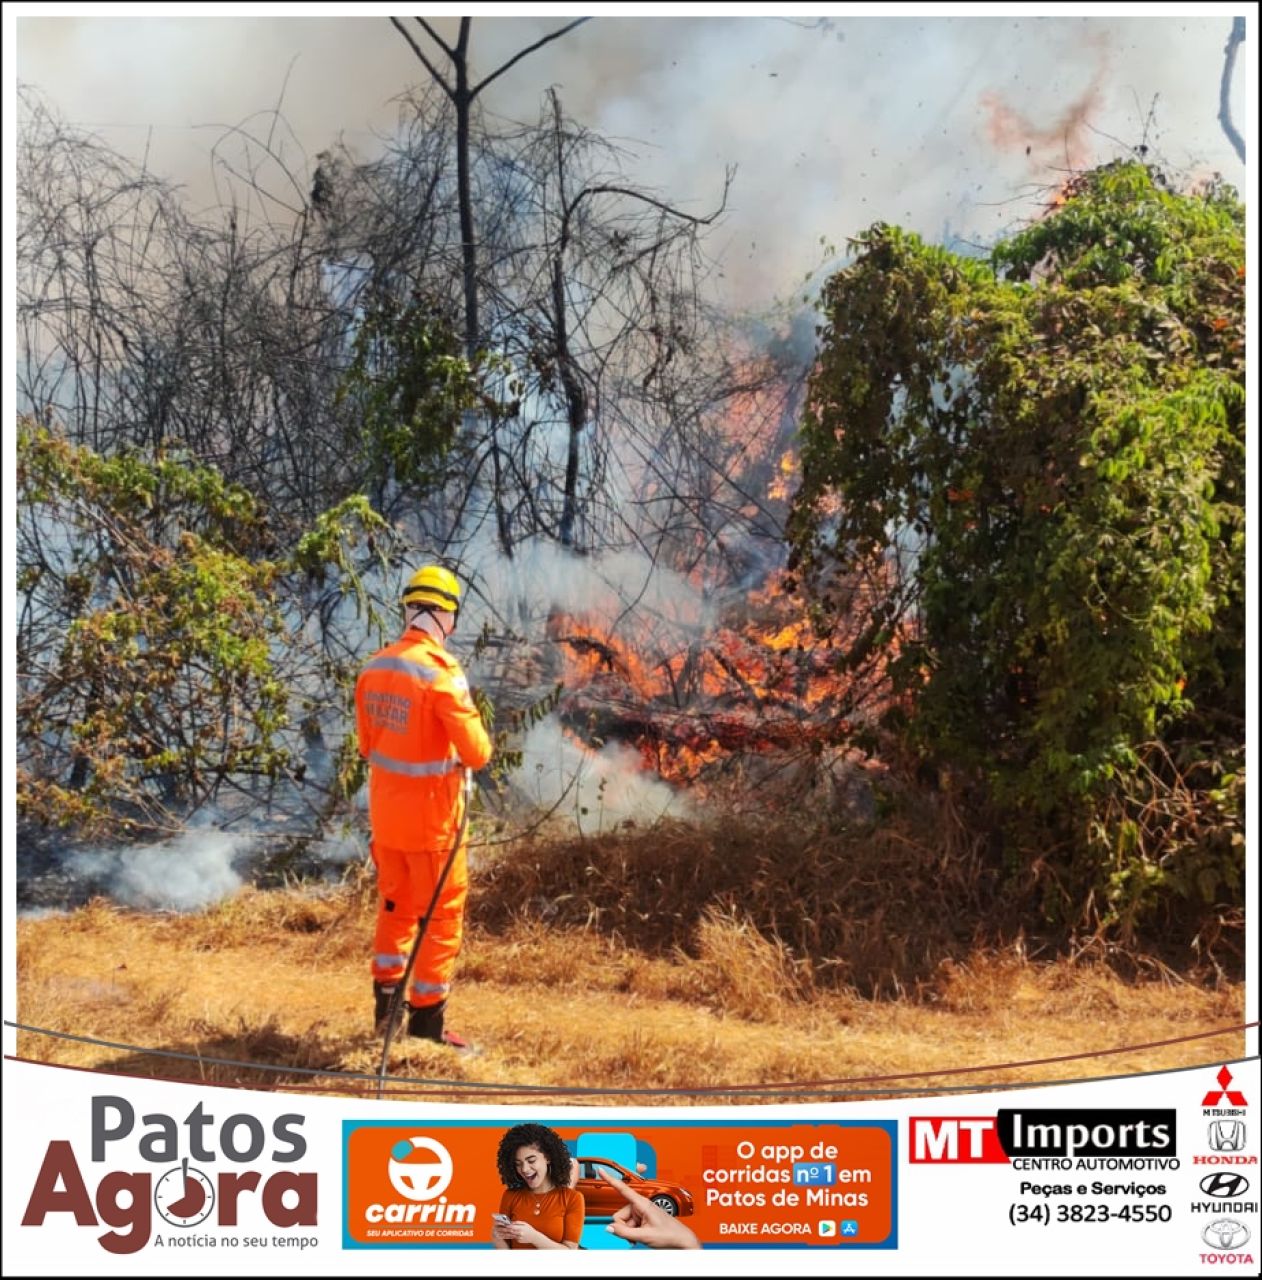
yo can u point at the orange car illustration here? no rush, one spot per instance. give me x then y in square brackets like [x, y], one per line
[603, 1201]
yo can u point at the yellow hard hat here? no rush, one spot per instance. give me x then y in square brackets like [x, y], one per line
[434, 586]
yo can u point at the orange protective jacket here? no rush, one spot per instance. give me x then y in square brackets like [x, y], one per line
[418, 728]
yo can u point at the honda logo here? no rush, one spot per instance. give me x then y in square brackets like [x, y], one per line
[1224, 1186]
[1226, 1135]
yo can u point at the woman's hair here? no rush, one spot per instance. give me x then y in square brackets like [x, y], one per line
[547, 1140]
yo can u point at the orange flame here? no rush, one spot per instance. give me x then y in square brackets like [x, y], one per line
[778, 491]
[762, 681]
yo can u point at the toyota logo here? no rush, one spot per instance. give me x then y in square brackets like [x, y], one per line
[1225, 1186]
[1226, 1233]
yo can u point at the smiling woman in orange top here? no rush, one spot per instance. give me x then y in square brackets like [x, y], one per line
[545, 1212]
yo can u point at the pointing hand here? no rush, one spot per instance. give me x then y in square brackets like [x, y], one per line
[642, 1222]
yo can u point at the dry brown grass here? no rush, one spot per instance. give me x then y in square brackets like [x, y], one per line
[875, 910]
[280, 979]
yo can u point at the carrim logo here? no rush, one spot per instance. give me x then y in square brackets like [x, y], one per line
[420, 1181]
[1226, 1234]
[1226, 1135]
[1224, 1186]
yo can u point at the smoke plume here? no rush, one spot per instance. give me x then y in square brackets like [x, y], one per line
[832, 122]
[188, 873]
[597, 790]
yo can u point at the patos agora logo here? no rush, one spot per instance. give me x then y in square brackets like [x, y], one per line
[173, 1174]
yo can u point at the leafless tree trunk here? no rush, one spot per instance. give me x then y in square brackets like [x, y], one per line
[588, 295]
[463, 95]
[672, 223]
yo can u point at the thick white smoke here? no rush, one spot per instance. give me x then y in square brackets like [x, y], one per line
[597, 790]
[543, 576]
[192, 871]
[933, 121]
[338, 848]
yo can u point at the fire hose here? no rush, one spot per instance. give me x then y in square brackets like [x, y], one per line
[396, 1000]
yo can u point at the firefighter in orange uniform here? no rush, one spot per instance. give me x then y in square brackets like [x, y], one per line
[419, 730]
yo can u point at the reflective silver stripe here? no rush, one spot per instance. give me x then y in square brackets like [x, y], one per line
[413, 768]
[422, 670]
[388, 962]
[430, 988]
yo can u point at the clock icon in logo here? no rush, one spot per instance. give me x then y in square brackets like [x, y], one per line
[184, 1196]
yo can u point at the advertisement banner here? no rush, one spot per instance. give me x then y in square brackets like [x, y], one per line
[1146, 1175]
[740, 1185]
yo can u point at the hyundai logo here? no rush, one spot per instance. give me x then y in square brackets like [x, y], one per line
[1225, 1186]
[1226, 1233]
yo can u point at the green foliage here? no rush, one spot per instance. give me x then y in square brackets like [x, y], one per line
[160, 646]
[170, 485]
[1044, 452]
[507, 758]
[147, 665]
[411, 385]
[351, 772]
[327, 547]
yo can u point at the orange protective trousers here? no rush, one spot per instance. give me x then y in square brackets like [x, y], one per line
[405, 885]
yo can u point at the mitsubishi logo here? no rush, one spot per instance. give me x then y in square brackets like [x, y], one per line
[1234, 1096]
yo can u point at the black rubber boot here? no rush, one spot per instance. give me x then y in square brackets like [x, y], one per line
[427, 1024]
[382, 995]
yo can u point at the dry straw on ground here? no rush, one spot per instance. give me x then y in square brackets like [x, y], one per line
[659, 975]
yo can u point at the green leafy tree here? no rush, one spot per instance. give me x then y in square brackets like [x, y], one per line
[1044, 449]
[172, 649]
[409, 384]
